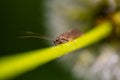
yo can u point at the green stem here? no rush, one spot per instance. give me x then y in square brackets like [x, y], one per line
[12, 66]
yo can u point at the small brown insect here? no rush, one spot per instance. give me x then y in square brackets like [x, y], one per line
[67, 36]
[63, 38]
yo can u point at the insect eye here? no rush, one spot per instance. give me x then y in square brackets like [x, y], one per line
[54, 42]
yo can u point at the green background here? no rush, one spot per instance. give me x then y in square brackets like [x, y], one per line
[17, 17]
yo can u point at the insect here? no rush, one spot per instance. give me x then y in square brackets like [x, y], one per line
[67, 36]
[63, 38]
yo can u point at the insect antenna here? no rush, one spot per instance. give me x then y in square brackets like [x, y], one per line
[35, 35]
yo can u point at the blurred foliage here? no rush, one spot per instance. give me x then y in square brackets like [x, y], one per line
[20, 16]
